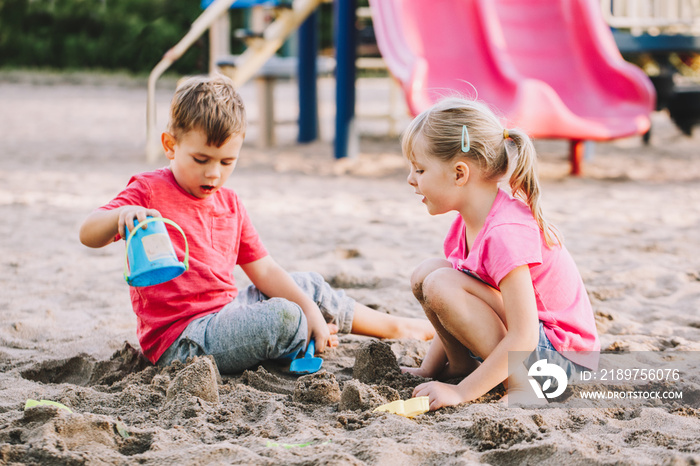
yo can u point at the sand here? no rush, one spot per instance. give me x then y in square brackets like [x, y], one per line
[67, 331]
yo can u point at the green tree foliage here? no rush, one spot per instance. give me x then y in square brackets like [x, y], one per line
[128, 35]
[98, 34]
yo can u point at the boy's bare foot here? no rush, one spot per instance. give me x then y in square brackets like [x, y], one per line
[373, 323]
[408, 327]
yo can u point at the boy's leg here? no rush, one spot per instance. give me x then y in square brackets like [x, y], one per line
[247, 331]
[353, 317]
[373, 323]
[337, 308]
[254, 328]
[242, 335]
[367, 321]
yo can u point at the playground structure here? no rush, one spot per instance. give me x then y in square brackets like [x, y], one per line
[663, 34]
[668, 17]
[549, 67]
[251, 61]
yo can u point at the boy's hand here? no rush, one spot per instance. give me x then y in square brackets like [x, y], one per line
[333, 342]
[324, 334]
[129, 213]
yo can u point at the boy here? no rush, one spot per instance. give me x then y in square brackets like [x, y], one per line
[202, 311]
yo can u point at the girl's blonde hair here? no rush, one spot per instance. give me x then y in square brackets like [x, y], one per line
[440, 131]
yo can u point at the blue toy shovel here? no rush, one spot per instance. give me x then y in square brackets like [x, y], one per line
[308, 364]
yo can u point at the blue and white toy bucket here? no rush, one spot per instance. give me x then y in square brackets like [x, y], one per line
[150, 253]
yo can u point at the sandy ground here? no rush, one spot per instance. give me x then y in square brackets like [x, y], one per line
[67, 332]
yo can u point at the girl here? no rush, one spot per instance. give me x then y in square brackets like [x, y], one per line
[508, 284]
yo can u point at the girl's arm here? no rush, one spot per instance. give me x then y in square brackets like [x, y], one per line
[101, 226]
[274, 282]
[522, 334]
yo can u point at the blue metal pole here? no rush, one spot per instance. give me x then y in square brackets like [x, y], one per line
[345, 40]
[308, 95]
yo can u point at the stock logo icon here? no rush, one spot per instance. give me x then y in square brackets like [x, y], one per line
[550, 372]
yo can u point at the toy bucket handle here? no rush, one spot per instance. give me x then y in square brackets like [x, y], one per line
[185, 262]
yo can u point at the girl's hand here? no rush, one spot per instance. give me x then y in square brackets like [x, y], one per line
[129, 213]
[439, 394]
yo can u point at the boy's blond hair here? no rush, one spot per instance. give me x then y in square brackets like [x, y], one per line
[210, 104]
[440, 129]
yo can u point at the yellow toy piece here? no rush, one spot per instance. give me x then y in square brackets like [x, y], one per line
[32, 403]
[409, 408]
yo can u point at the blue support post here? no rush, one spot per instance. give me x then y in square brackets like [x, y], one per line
[345, 40]
[308, 72]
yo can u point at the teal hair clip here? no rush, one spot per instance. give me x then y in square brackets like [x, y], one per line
[465, 139]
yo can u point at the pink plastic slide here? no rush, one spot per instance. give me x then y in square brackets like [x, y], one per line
[550, 67]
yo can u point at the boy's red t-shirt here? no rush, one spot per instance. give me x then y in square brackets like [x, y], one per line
[220, 235]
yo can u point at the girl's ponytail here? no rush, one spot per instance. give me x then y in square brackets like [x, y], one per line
[525, 185]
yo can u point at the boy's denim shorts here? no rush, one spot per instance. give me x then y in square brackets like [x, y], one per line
[254, 328]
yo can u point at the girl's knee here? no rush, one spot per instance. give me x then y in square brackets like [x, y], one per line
[423, 271]
[436, 286]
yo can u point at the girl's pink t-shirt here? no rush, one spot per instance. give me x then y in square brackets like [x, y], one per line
[511, 238]
[219, 234]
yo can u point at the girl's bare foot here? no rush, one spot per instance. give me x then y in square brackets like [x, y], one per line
[448, 372]
[518, 390]
[419, 371]
[517, 397]
[452, 371]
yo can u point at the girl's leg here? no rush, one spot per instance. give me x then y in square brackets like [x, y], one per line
[435, 359]
[467, 316]
[422, 271]
[434, 363]
[472, 316]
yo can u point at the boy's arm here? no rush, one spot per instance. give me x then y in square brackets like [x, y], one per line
[101, 226]
[273, 281]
